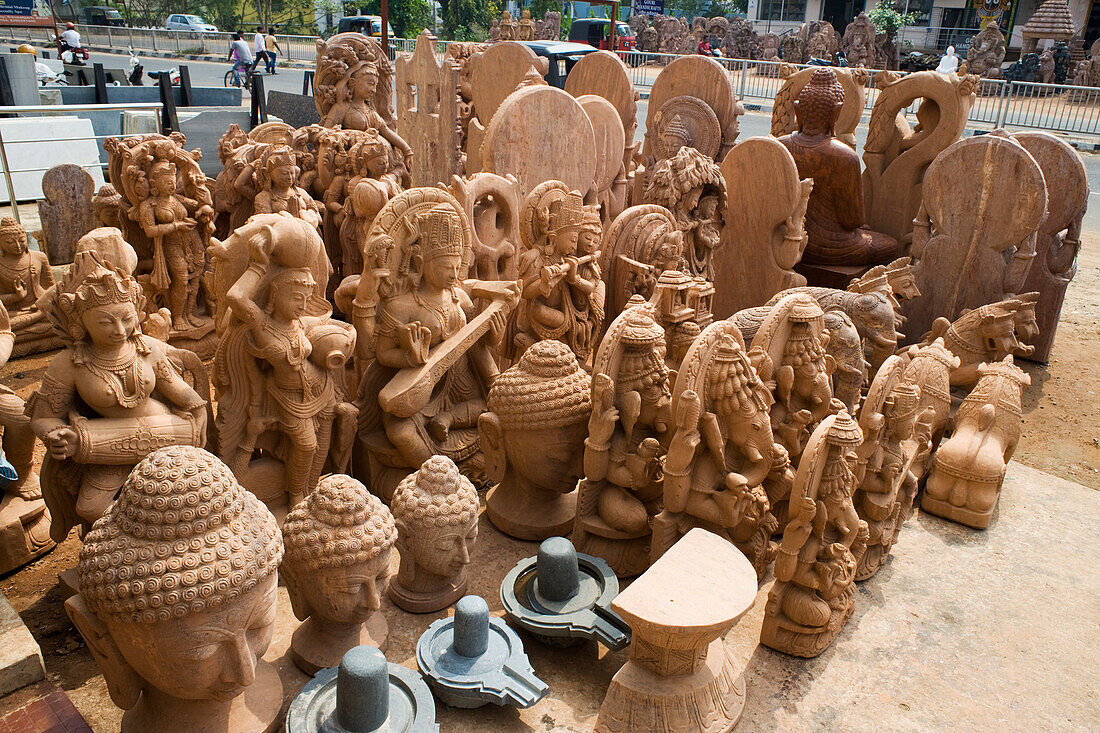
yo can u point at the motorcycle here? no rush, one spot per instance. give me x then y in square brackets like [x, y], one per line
[136, 70]
[77, 56]
[45, 75]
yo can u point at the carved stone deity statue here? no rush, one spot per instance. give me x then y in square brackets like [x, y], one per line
[111, 397]
[835, 223]
[627, 439]
[987, 52]
[559, 273]
[641, 244]
[435, 509]
[858, 43]
[533, 440]
[374, 177]
[352, 87]
[276, 179]
[279, 365]
[509, 29]
[427, 351]
[24, 277]
[722, 451]
[814, 591]
[177, 599]
[526, 26]
[337, 566]
[691, 186]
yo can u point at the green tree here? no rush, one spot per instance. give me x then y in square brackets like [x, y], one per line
[468, 20]
[888, 20]
[687, 8]
[539, 8]
[408, 17]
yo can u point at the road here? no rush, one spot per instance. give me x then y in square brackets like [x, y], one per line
[208, 73]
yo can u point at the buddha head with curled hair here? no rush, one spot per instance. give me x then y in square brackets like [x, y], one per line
[338, 547]
[435, 510]
[178, 581]
[818, 104]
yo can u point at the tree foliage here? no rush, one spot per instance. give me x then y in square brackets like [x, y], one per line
[468, 20]
[888, 20]
[408, 17]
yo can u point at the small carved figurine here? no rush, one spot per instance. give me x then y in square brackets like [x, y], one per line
[641, 244]
[24, 277]
[533, 440]
[276, 180]
[436, 514]
[337, 566]
[177, 598]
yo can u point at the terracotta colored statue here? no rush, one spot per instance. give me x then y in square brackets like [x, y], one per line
[722, 451]
[352, 87]
[834, 217]
[111, 397]
[969, 468]
[24, 277]
[337, 566]
[691, 186]
[858, 43]
[276, 180]
[814, 590]
[279, 366]
[642, 243]
[177, 599]
[533, 438]
[509, 29]
[559, 273]
[628, 436]
[987, 51]
[374, 178]
[428, 351]
[435, 509]
[526, 26]
[930, 368]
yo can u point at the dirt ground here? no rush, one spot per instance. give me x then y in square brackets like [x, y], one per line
[1061, 436]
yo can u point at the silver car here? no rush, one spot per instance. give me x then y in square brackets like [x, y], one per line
[193, 23]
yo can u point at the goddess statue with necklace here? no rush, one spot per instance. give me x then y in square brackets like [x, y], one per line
[113, 396]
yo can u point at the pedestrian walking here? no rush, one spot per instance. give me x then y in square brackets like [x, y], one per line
[272, 48]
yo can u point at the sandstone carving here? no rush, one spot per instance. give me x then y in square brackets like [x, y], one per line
[493, 75]
[66, 209]
[604, 74]
[643, 242]
[179, 640]
[987, 52]
[526, 26]
[427, 112]
[492, 204]
[276, 178]
[858, 44]
[24, 277]
[610, 181]
[930, 369]
[852, 81]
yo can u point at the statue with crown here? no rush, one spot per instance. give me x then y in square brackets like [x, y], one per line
[426, 350]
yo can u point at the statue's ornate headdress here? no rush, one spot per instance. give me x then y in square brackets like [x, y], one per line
[91, 283]
[732, 384]
[440, 232]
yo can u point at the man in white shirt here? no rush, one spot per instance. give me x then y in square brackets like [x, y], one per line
[70, 37]
[259, 45]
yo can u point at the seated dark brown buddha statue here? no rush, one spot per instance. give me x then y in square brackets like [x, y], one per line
[834, 217]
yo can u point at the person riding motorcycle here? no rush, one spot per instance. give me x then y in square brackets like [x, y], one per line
[69, 40]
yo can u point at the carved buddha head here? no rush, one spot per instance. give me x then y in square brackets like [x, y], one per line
[435, 510]
[178, 581]
[818, 104]
[338, 545]
[13, 238]
[538, 419]
[676, 135]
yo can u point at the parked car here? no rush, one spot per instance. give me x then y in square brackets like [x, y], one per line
[368, 25]
[595, 32]
[193, 23]
[102, 15]
[563, 55]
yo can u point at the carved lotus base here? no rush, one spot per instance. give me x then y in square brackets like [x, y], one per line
[709, 700]
[24, 532]
[313, 650]
[34, 344]
[784, 635]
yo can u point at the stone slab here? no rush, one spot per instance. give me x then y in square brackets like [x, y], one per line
[297, 110]
[20, 658]
[29, 147]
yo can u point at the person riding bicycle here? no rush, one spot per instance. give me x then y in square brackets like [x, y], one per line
[240, 55]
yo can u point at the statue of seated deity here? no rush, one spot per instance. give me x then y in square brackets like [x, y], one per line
[111, 397]
[628, 436]
[24, 277]
[276, 179]
[722, 453]
[428, 353]
[834, 217]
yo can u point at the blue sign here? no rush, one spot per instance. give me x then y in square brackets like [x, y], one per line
[23, 8]
[652, 7]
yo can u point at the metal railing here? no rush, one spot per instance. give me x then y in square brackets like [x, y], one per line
[50, 109]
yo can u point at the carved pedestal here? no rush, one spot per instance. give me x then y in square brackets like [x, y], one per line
[680, 676]
[24, 532]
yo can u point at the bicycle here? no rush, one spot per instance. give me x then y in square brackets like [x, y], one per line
[239, 76]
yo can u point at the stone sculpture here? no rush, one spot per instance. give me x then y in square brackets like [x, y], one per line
[493, 75]
[562, 294]
[351, 87]
[337, 566]
[66, 209]
[1052, 20]
[279, 365]
[897, 155]
[973, 245]
[365, 694]
[742, 41]
[794, 49]
[987, 52]
[930, 369]
[835, 224]
[108, 207]
[533, 440]
[472, 659]
[854, 85]
[1046, 67]
[1059, 237]
[492, 204]
[769, 52]
[24, 522]
[628, 435]
[24, 277]
[967, 471]
[177, 598]
[846, 348]
[763, 237]
[858, 43]
[372, 178]
[494, 31]
[549, 28]
[427, 111]
[722, 451]
[276, 179]
[526, 30]
[611, 181]
[813, 594]
[168, 198]
[564, 598]
[680, 675]
[643, 242]
[691, 186]
[509, 29]
[427, 351]
[436, 514]
[113, 396]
